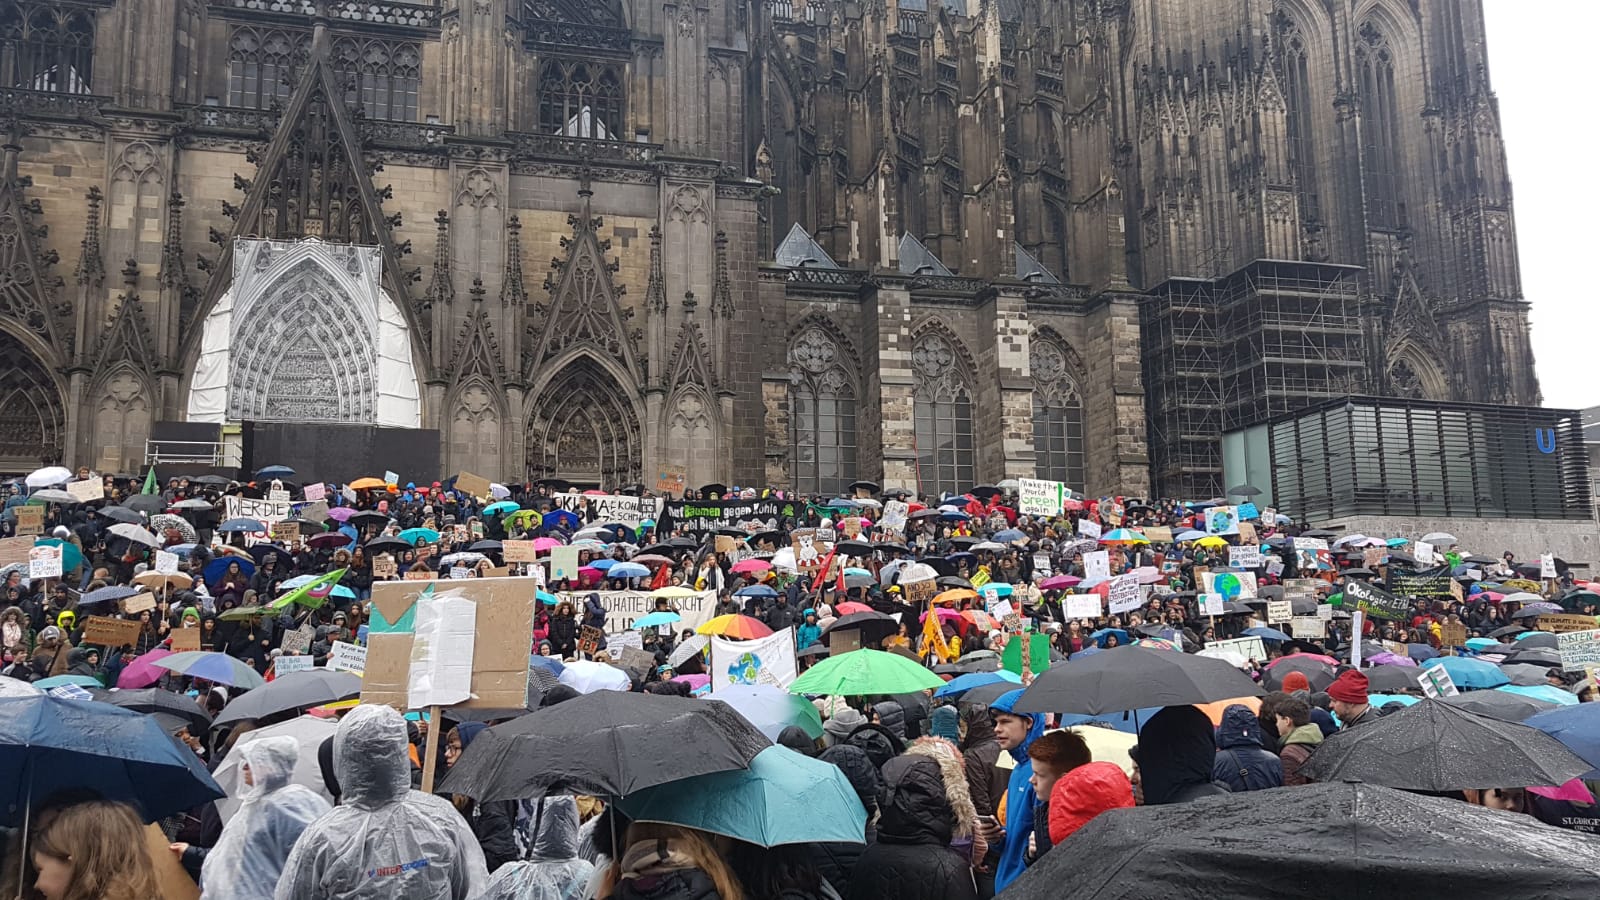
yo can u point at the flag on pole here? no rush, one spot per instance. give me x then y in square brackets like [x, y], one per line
[312, 594]
[150, 486]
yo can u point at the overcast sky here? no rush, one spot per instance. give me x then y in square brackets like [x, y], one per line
[1541, 57]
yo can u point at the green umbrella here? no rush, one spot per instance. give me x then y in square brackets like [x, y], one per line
[783, 798]
[312, 594]
[865, 672]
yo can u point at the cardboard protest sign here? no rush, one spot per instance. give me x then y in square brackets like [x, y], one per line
[769, 660]
[298, 640]
[920, 592]
[1213, 605]
[589, 638]
[1564, 624]
[14, 550]
[1114, 512]
[110, 632]
[384, 566]
[1124, 594]
[474, 485]
[415, 574]
[851, 526]
[1247, 532]
[1158, 534]
[843, 641]
[502, 634]
[1308, 628]
[1279, 611]
[441, 651]
[1222, 520]
[185, 639]
[347, 657]
[1373, 557]
[44, 561]
[1040, 498]
[138, 603]
[87, 491]
[1579, 650]
[671, 479]
[1373, 601]
[284, 665]
[286, 532]
[1089, 528]
[166, 563]
[518, 551]
[727, 544]
[30, 519]
[315, 492]
[1453, 634]
[807, 549]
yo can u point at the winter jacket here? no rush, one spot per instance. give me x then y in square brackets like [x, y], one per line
[985, 779]
[563, 634]
[779, 616]
[493, 822]
[912, 859]
[594, 615]
[678, 884]
[892, 716]
[1368, 716]
[808, 633]
[1176, 753]
[1297, 748]
[730, 606]
[1242, 763]
[1020, 798]
[836, 861]
[78, 663]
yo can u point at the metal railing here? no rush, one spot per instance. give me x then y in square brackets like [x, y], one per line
[186, 453]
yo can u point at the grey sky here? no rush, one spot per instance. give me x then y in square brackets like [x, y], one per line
[1540, 57]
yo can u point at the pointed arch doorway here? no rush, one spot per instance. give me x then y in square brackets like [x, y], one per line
[585, 429]
[32, 416]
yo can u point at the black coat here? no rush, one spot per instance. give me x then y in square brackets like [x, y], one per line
[1242, 764]
[563, 634]
[494, 824]
[912, 859]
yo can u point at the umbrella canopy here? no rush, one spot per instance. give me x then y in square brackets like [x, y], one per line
[153, 700]
[1391, 679]
[1577, 728]
[865, 672]
[755, 590]
[1318, 673]
[751, 566]
[1439, 538]
[308, 731]
[1344, 840]
[656, 619]
[1499, 704]
[161, 524]
[587, 677]
[296, 690]
[627, 570]
[1437, 746]
[961, 684]
[1524, 674]
[736, 626]
[217, 568]
[242, 525]
[688, 648]
[1134, 678]
[268, 473]
[143, 671]
[45, 684]
[783, 798]
[609, 743]
[48, 744]
[136, 534]
[1469, 673]
[119, 514]
[415, 536]
[107, 595]
[218, 667]
[47, 476]
[771, 709]
[874, 626]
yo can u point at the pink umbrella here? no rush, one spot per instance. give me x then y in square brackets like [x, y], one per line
[1574, 790]
[751, 566]
[143, 672]
[944, 613]
[1147, 574]
[546, 544]
[851, 606]
[1057, 582]
[341, 513]
[1316, 656]
[695, 682]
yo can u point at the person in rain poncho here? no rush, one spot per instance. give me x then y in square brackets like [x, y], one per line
[384, 840]
[552, 870]
[249, 856]
[1016, 732]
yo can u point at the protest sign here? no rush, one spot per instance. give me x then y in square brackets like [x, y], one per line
[110, 632]
[384, 566]
[518, 551]
[1422, 551]
[286, 532]
[1212, 604]
[1247, 532]
[1081, 606]
[726, 544]
[14, 550]
[1040, 498]
[474, 485]
[1222, 520]
[1245, 557]
[1089, 528]
[624, 639]
[1096, 566]
[564, 563]
[298, 640]
[1374, 601]
[349, 494]
[851, 526]
[1246, 647]
[1415, 585]
[1579, 650]
[1301, 588]
[589, 638]
[1373, 557]
[1114, 512]
[1158, 534]
[1279, 611]
[1247, 511]
[1311, 554]
[502, 634]
[315, 492]
[30, 519]
[1124, 594]
[622, 607]
[807, 550]
[671, 480]
[347, 657]
[138, 603]
[1547, 565]
[416, 574]
[920, 592]
[769, 660]
[1563, 624]
[1041, 566]
[1435, 682]
[1231, 585]
[185, 639]
[87, 491]
[894, 515]
[44, 561]
[441, 651]
[630, 511]
[264, 511]
[285, 665]
[1325, 612]
[698, 518]
[166, 563]
[1452, 634]
[457, 572]
[1308, 628]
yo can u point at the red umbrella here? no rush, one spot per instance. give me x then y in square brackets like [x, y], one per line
[1314, 656]
[143, 672]
[851, 606]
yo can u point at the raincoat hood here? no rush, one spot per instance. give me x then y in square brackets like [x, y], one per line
[915, 809]
[271, 761]
[1006, 704]
[1175, 752]
[891, 716]
[980, 726]
[956, 792]
[558, 831]
[1086, 792]
[1240, 728]
[248, 859]
[370, 758]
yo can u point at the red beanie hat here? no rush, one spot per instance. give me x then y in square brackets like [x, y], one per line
[1296, 681]
[1351, 687]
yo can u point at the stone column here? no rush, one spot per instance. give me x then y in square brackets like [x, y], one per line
[1005, 428]
[886, 427]
[1118, 452]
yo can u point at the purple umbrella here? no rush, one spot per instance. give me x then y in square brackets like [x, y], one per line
[341, 513]
[695, 682]
[143, 672]
[1390, 659]
[218, 667]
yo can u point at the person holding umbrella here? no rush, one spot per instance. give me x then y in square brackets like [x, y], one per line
[1175, 757]
[1015, 732]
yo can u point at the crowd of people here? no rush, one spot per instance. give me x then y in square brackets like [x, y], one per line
[963, 795]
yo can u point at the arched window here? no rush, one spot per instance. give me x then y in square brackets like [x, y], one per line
[382, 77]
[943, 417]
[580, 99]
[1380, 128]
[1057, 417]
[1294, 55]
[46, 48]
[263, 64]
[822, 415]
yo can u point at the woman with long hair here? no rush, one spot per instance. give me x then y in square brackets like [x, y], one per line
[670, 862]
[93, 851]
[564, 631]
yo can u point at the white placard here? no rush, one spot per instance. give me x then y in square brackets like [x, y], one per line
[625, 639]
[1579, 650]
[1279, 611]
[44, 561]
[459, 572]
[316, 491]
[1325, 611]
[1089, 528]
[1307, 627]
[1547, 565]
[768, 660]
[1124, 594]
[1212, 605]
[391, 478]
[1247, 556]
[894, 515]
[1081, 606]
[1247, 647]
[1423, 551]
[1096, 565]
[441, 651]
[1436, 682]
[283, 665]
[1040, 498]
[166, 563]
[1357, 619]
[347, 657]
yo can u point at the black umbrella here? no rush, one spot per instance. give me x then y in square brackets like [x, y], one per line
[1535, 656]
[713, 490]
[1507, 631]
[155, 700]
[122, 515]
[1320, 674]
[891, 547]
[149, 504]
[210, 481]
[261, 551]
[1500, 705]
[988, 664]
[683, 543]
[985, 694]
[871, 487]
[291, 692]
[368, 517]
[1393, 679]
[965, 541]
[1320, 533]
[953, 581]
[1435, 746]
[872, 625]
[1243, 490]
[1526, 674]
[607, 743]
[1134, 678]
[1540, 641]
[813, 650]
[108, 595]
[983, 491]
[388, 544]
[925, 514]
[1312, 842]
[853, 548]
[486, 547]
[555, 484]
[939, 564]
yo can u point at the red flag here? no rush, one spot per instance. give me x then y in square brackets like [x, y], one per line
[840, 587]
[663, 578]
[822, 573]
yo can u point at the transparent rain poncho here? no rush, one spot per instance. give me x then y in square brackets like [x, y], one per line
[384, 840]
[552, 870]
[249, 856]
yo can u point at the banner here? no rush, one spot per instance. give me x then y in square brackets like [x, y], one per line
[1420, 585]
[622, 607]
[264, 511]
[1040, 498]
[630, 511]
[768, 660]
[700, 517]
[1247, 647]
[1222, 520]
[1374, 601]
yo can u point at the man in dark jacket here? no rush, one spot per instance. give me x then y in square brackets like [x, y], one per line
[1243, 764]
[1175, 756]
[912, 859]
[781, 614]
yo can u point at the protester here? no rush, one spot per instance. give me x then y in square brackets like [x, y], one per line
[1086, 792]
[1015, 732]
[1348, 695]
[1053, 755]
[249, 856]
[551, 869]
[912, 858]
[1176, 755]
[1300, 738]
[492, 822]
[1242, 763]
[668, 862]
[93, 851]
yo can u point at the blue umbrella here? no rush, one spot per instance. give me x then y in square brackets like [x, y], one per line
[107, 595]
[218, 567]
[755, 590]
[1267, 634]
[550, 663]
[218, 667]
[656, 619]
[271, 472]
[603, 564]
[1530, 634]
[1481, 643]
[414, 536]
[996, 589]
[559, 516]
[627, 570]
[963, 683]
[243, 525]
[1420, 652]
[1009, 535]
[1469, 673]
[1099, 637]
[771, 709]
[547, 599]
[843, 503]
[1382, 700]
[783, 798]
[1577, 727]
[1549, 693]
[45, 684]
[182, 550]
[953, 514]
[48, 745]
[501, 509]
[1126, 722]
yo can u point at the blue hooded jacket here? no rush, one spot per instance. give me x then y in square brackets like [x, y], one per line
[1020, 798]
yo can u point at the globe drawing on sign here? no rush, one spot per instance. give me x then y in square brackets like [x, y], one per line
[745, 670]
[1227, 584]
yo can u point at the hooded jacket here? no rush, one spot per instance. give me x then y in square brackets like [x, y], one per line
[1020, 798]
[1086, 792]
[1176, 754]
[248, 858]
[808, 632]
[892, 716]
[1242, 763]
[78, 662]
[1298, 745]
[385, 840]
[552, 870]
[986, 781]
[912, 859]
[836, 860]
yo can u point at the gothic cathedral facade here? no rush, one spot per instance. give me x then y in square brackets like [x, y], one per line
[796, 243]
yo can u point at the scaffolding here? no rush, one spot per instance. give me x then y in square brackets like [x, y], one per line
[1222, 355]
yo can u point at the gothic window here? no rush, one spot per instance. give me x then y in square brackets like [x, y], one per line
[475, 432]
[822, 415]
[262, 65]
[1380, 128]
[380, 77]
[943, 417]
[31, 417]
[1057, 417]
[580, 99]
[45, 47]
[1405, 382]
[1298, 98]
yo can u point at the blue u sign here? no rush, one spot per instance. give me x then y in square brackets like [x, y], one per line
[1545, 439]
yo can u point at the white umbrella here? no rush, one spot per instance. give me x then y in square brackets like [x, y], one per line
[1349, 539]
[136, 534]
[48, 475]
[1439, 538]
[1521, 597]
[309, 731]
[586, 677]
[784, 559]
[51, 495]
[917, 572]
[687, 649]
[987, 545]
[15, 687]
[499, 491]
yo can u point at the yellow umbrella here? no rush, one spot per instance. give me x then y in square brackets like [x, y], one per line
[368, 483]
[1212, 542]
[954, 594]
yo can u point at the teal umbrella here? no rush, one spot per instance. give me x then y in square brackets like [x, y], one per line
[783, 798]
[656, 619]
[71, 556]
[46, 684]
[1481, 643]
[415, 536]
[502, 508]
[865, 672]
